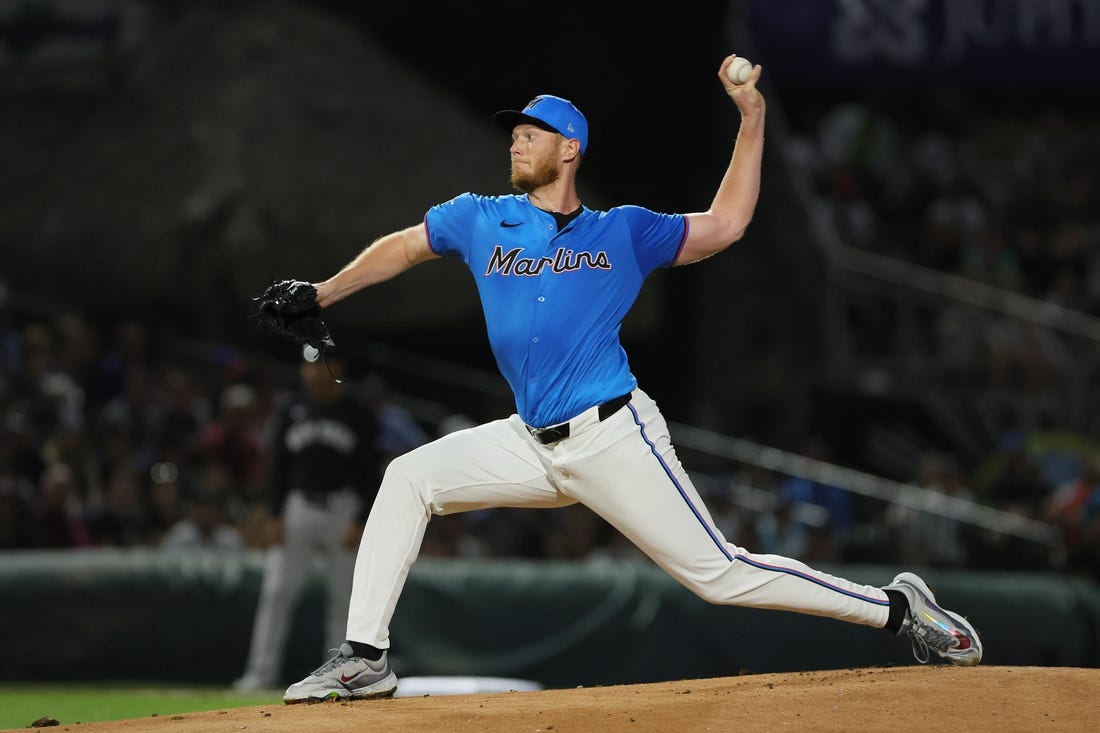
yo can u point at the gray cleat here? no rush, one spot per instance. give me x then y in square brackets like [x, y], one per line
[932, 629]
[345, 676]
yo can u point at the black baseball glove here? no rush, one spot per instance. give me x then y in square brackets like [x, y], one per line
[289, 308]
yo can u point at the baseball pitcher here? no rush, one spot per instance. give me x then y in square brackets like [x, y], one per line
[556, 279]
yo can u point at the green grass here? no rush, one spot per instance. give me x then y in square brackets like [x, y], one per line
[20, 705]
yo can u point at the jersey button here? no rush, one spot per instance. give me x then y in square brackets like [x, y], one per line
[535, 340]
[542, 299]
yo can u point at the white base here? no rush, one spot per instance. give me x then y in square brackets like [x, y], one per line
[421, 686]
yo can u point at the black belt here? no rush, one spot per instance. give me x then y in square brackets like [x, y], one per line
[554, 433]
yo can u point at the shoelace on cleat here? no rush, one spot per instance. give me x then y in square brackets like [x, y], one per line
[926, 637]
[330, 664]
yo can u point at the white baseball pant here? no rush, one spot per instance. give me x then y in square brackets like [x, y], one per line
[625, 469]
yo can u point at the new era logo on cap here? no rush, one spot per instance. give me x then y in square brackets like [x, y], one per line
[554, 113]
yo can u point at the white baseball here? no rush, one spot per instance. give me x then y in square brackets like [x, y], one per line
[738, 71]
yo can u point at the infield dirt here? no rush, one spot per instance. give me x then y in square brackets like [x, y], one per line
[934, 698]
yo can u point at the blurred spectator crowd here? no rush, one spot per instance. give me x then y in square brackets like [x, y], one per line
[106, 440]
[109, 445]
[1001, 191]
[1025, 477]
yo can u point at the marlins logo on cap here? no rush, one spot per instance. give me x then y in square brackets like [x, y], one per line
[550, 113]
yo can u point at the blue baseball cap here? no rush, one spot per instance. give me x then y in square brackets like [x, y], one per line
[550, 113]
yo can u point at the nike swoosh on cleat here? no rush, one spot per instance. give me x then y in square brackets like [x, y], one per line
[507, 224]
[345, 678]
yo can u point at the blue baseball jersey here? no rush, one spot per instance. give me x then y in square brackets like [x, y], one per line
[554, 301]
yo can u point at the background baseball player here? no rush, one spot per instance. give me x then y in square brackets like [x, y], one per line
[556, 279]
[322, 480]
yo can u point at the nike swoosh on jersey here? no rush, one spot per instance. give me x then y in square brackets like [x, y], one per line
[507, 224]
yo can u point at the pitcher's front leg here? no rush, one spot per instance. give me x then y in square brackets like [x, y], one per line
[491, 465]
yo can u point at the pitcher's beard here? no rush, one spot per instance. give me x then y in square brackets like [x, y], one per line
[529, 182]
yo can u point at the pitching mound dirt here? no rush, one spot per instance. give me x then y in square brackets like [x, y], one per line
[937, 698]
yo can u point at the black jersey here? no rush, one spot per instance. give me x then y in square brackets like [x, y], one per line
[322, 447]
